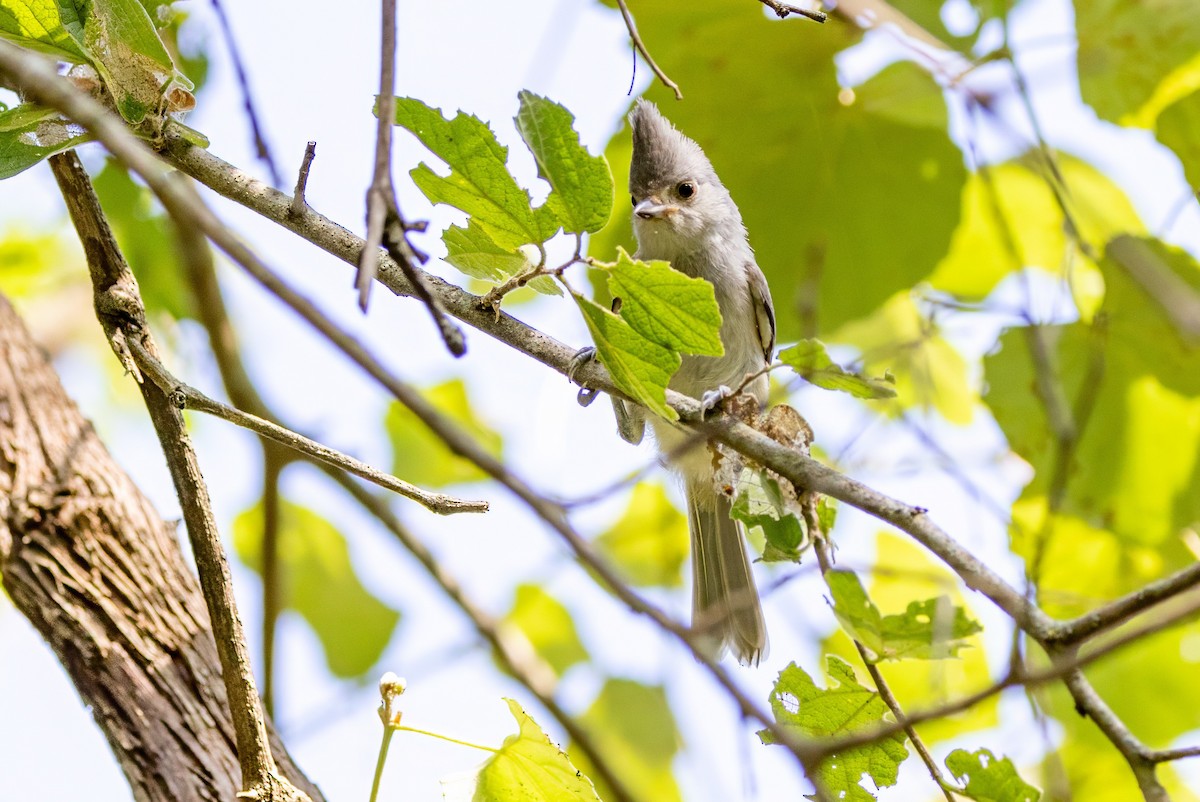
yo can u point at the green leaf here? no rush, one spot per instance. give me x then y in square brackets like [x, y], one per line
[843, 708]
[475, 253]
[420, 456]
[528, 767]
[1177, 127]
[986, 779]
[1012, 219]
[582, 187]
[810, 360]
[638, 366]
[317, 580]
[666, 306]
[848, 197]
[479, 182]
[43, 26]
[932, 629]
[929, 372]
[631, 724]
[29, 134]
[548, 627]
[147, 238]
[760, 503]
[1128, 51]
[650, 541]
[905, 571]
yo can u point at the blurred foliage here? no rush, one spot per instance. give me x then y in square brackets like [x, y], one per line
[420, 456]
[548, 627]
[317, 580]
[649, 543]
[632, 724]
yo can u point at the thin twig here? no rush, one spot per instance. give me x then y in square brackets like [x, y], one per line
[641, 48]
[298, 199]
[235, 55]
[118, 301]
[783, 10]
[272, 598]
[187, 397]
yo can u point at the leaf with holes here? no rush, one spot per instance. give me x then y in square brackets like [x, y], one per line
[928, 630]
[664, 305]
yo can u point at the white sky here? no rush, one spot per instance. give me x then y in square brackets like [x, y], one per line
[314, 78]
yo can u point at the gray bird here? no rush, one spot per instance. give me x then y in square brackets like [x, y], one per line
[683, 214]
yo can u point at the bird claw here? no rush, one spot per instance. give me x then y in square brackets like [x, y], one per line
[714, 399]
[582, 357]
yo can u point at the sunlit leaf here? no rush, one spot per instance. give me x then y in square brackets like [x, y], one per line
[631, 724]
[932, 629]
[1012, 219]
[810, 360]
[986, 779]
[905, 571]
[420, 456]
[929, 372]
[638, 366]
[582, 190]
[317, 580]
[839, 710]
[548, 627]
[474, 252]
[52, 28]
[650, 541]
[479, 182]
[663, 305]
[530, 768]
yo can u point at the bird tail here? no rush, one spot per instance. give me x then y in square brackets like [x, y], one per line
[725, 605]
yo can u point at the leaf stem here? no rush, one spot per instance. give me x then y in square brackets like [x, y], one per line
[441, 737]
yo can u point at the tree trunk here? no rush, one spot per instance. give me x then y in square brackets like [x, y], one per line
[87, 559]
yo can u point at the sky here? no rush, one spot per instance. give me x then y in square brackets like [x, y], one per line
[314, 78]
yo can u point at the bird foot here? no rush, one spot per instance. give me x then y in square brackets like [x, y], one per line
[715, 399]
[582, 357]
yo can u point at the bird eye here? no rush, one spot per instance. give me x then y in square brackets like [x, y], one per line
[686, 190]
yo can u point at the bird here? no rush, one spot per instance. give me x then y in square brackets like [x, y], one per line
[683, 214]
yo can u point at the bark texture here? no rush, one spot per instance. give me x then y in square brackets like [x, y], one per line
[86, 558]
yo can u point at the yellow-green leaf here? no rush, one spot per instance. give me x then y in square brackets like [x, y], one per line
[650, 541]
[839, 710]
[638, 366]
[548, 627]
[420, 456]
[581, 196]
[479, 182]
[931, 629]
[529, 768]
[631, 724]
[809, 359]
[986, 779]
[29, 134]
[317, 580]
[661, 304]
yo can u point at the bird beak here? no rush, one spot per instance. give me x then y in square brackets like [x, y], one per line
[651, 209]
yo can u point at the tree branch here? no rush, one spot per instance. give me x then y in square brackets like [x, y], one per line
[120, 306]
[187, 397]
